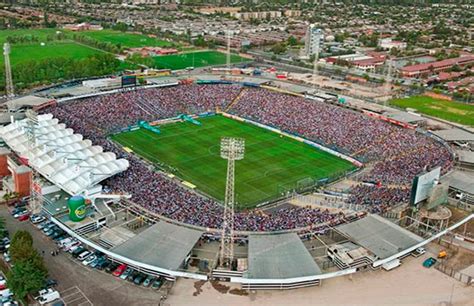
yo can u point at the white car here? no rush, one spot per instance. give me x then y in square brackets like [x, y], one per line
[418, 252]
[37, 219]
[21, 213]
[63, 242]
[73, 247]
[89, 260]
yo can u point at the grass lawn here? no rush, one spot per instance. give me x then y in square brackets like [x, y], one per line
[447, 110]
[272, 163]
[194, 59]
[41, 33]
[23, 53]
[127, 40]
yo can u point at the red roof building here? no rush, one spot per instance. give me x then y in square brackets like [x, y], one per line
[425, 69]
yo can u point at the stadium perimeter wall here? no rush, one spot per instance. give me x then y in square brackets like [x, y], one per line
[283, 283]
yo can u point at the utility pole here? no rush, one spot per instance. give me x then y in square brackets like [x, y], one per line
[232, 149]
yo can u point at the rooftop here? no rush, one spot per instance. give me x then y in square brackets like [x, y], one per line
[460, 180]
[162, 245]
[447, 62]
[378, 235]
[279, 256]
[454, 135]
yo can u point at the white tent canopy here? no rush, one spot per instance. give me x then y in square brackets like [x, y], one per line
[64, 158]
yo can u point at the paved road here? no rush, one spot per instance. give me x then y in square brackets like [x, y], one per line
[80, 285]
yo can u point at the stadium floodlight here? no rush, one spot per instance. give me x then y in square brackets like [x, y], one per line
[35, 182]
[232, 149]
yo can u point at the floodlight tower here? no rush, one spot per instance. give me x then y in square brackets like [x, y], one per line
[32, 125]
[8, 71]
[315, 62]
[388, 81]
[232, 149]
[228, 51]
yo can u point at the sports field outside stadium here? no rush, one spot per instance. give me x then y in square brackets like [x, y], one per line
[272, 163]
[452, 111]
[195, 59]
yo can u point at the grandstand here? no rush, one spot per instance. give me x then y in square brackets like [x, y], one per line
[161, 206]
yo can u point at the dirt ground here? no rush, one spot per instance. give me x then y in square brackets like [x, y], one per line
[410, 284]
[459, 214]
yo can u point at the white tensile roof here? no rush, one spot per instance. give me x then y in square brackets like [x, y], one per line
[64, 158]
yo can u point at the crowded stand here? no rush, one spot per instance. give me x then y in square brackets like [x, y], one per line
[397, 154]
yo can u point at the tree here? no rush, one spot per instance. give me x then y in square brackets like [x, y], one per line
[28, 273]
[21, 246]
[278, 48]
[24, 278]
[292, 41]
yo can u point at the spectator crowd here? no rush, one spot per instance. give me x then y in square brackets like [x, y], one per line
[397, 154]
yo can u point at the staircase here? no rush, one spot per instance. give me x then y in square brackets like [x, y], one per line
[236, 100]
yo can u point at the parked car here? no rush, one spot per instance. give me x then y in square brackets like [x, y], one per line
[35, 219]
[428, 263]
[51, 283]
[17, 210]
[89, 259]
[157, 283]
[21, 213]
[43, 224]
[138, 280]
[126, 274]
[78, 251]
[98, 261]
[112, 267]
[49, 227]
[148, 281]
[104, 265]
[3, 283]
[120, 270]
[71, 245]
[6, 256]
[132, 276]
[95, 262]
[418, 252]
[49, 297]
[49, 232]
[84, 255]
[58, 234]
[24, 217]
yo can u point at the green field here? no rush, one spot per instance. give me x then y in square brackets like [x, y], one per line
[447, 110]
[23, 53]
[40, 33]
[126, 40]
[272, 165]
[194, 59]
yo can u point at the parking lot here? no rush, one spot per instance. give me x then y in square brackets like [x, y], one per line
[79, 284]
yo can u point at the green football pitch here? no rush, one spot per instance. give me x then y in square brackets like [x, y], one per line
[125, 39]
[195, 59]
[272, 164]
[452, 111]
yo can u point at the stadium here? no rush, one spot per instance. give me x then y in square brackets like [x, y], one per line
[312, 192]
